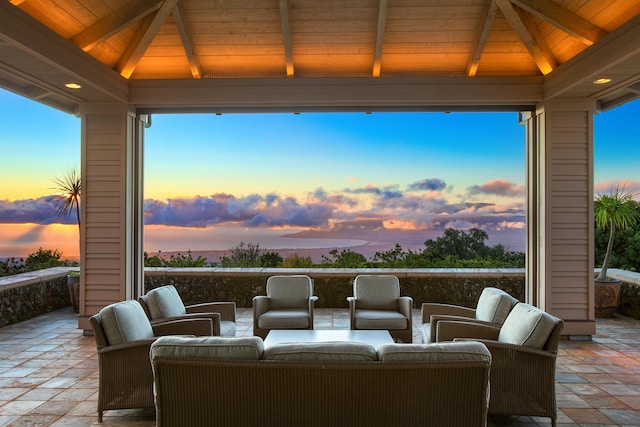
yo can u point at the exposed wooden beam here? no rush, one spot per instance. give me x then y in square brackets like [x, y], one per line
[564, 19]
[286, 36]
[487, 22]
[382, 23]
[22, 31]
[337, 94]
[143, 38]
[540, 54]
[185, 35]
[613, 49]
[114, 23]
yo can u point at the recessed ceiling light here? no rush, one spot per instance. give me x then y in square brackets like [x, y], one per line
[73, 85]
[602, 81]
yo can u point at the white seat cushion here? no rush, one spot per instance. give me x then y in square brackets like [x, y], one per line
[380, 319]
[240, 348]
[284, 319]
[494, 305]
[433, 353]
[527, 325]
[326, 351]
[125, 322]
[165, 302]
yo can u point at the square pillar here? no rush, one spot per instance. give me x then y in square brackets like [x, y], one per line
[111, 207]
[560, 239]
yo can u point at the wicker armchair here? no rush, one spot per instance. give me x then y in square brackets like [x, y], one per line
[164, 303]
[524, 352]
[288, 304]
[123, 338]
[376, 304]
[493, 307]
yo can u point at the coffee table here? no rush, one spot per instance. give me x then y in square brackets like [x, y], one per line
[375, 338]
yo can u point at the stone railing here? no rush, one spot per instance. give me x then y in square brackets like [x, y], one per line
[334, 285]
[27, 295]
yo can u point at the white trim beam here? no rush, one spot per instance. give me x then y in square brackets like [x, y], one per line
[611, 50]
[336, 94]
[25, 33]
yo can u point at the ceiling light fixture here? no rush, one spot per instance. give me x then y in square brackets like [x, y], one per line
[73, 86]
[601, 81]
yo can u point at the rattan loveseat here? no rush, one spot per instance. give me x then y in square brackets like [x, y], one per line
[237, 382]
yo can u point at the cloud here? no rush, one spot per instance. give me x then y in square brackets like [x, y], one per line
[628, 185]
[370, 208]
[498, 187]
[388, 192]
[433, 184]
[42, 210]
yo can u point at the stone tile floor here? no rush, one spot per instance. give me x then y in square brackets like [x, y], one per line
[49, 375]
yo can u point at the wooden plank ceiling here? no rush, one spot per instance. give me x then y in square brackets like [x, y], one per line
[170, 39]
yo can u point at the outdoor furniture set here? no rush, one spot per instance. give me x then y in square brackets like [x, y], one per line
[290, 374]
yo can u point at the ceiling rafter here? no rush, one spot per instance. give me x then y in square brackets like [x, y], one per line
[185, 36]
[286, 35]
[114, 23]
[540, 53]
[142, 39]
[532, 28]
[483, 34]
[563, 19]
[382, 23]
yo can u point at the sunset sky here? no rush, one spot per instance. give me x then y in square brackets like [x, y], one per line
[298, 181]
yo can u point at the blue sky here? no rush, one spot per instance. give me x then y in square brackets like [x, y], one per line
[376, 179]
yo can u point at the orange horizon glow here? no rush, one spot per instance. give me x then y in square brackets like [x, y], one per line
[20, 240]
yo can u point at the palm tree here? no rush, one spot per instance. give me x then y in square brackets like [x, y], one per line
[69, 188]
[616, 210]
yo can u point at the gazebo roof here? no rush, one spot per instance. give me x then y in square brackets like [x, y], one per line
[297, 55]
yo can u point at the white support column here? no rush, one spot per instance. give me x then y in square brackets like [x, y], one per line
[560, 247]
[111, 230]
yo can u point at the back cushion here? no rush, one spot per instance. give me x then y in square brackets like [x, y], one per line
[289, 291]
[528, 326]
[433, 353]
[125, 322]
[240, 348]
[494, 305]
[377, 292]
[165, 302]
[325, 351]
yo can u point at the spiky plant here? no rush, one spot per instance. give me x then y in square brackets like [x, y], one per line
[615, 210]
[69, 188]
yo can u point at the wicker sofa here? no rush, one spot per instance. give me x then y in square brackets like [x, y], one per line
[207, 381]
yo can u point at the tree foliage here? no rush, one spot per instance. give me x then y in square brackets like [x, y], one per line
[625, 252]
[39, 260]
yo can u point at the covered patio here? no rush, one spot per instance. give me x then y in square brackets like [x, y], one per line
[116, 64]
[49, 374]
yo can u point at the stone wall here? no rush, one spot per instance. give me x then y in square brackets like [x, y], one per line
[629, 292]
[27, 295]
[333, 286]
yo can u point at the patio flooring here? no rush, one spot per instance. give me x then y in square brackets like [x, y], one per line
[49, 374]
